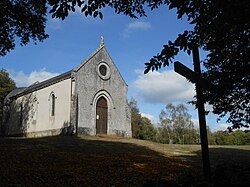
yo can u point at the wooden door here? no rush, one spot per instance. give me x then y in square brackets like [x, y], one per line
[101, 116]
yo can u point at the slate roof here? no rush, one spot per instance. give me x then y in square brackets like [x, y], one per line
[13, 93]
[37, 86]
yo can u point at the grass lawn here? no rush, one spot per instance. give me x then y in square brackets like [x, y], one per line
[115, 161]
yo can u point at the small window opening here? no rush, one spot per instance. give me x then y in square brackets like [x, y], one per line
[103, 70]
[53, 104]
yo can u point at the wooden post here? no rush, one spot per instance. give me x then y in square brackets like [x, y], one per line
[195, 77]
[202, 118]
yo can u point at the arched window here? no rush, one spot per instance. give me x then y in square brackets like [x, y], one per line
[52, 104]
[20, 115]
[34, 110]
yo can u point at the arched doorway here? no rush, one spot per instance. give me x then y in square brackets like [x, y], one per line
[101, 116]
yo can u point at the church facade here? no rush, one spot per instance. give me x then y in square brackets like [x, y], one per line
[90, 99]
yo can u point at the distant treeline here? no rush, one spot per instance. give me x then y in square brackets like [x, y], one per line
[176, 127]
[238, 137]
[191, 136]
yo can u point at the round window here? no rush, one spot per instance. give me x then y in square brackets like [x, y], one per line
[103, 70]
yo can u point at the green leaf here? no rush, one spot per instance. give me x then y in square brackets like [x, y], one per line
[84, 8]
[100, 15]
[171, 6]
[95, 14]
[146, 70]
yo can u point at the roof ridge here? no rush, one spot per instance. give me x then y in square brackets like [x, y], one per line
[87, 59]
[45, 83]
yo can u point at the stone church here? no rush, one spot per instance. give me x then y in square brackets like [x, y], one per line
[90, 99]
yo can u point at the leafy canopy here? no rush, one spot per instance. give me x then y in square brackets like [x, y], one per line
[147, 130]
[177, 125]
[221, 27]
[21, 19]
[6, 86]
[136, 118]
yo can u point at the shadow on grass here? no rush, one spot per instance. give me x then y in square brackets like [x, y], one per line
[73, 161]
[229, 165]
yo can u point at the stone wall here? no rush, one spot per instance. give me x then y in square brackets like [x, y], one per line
[30, 113]
[91, 85]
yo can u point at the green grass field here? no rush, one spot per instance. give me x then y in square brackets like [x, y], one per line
[116, 161]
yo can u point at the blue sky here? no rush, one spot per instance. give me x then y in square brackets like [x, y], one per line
[130, 42]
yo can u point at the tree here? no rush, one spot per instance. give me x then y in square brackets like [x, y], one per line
[210, 136]
[237, 137]
[147, 130]
[177, 124]
[166, 129]
[191, 136]
[222, 28]
[23, 19]
[6, 86]
[163, 135]
[135, 118]
[26, 19]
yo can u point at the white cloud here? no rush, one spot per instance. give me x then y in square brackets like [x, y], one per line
[136, 25]
[196, 123]
[213, 128]
[139, 25]
[152, 118]
[23, 80]
[224, 126]
[220, 127]
[163, 87]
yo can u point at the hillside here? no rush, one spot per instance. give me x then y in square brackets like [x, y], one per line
[113, 161]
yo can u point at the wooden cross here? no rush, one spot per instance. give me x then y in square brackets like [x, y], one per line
[195, 77]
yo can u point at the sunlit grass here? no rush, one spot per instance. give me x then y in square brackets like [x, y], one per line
[105, 161]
